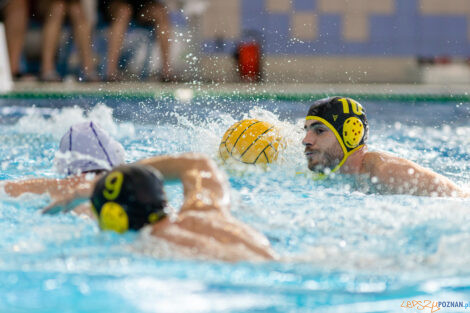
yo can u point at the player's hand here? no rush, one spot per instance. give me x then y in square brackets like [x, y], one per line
[69, 199]
[63, 205]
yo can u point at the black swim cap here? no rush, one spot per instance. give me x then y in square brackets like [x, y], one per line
[346, 118]
[129, 197]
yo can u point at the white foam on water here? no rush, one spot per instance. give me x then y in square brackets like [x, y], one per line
[291, 134]
[3, 194]
[205, 136]
[327, 225]
[171, 295]
[61, 119]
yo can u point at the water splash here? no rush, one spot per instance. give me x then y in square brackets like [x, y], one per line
[57, 121]
[362, 249]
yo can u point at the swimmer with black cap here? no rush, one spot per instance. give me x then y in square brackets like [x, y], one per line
[336, 141]
[86, 150]
[131, 197]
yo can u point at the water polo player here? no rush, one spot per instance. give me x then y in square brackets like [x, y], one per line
[335, 141]
[85, 148]
[132, 196]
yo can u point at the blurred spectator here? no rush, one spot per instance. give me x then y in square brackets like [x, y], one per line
[15, 16]
[147, 12]
[54, 17]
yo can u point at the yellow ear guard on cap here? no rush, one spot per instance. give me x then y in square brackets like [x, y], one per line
[353, 131]
[113, 217]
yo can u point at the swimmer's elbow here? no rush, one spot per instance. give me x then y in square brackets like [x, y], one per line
[202, 160]
[208, 164]
[193, 160]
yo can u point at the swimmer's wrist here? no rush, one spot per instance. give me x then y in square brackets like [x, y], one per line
[75, 203]
[66, 207]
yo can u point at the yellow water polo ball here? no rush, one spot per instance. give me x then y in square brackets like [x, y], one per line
[250, 141]
[353, 131]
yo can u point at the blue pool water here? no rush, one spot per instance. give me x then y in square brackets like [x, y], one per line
[342, 250]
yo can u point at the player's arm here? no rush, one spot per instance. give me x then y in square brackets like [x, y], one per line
[55, 187]
[398, 175]
[205, 186]
[36, 186]
[70, 199]
[72, 195]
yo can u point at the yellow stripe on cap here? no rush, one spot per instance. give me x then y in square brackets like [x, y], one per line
[338, 137]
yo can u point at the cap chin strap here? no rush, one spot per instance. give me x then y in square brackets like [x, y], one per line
[346, 154]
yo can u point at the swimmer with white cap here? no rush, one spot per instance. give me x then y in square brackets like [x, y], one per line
[335, 141]
[131, 197]
[86, 150]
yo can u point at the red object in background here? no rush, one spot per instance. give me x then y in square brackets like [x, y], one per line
[249, 61]
[443, 59]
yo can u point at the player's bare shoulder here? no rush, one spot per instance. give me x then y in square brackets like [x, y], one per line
[373, 160]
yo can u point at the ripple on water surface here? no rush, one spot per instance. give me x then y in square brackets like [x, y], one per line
[342, 250]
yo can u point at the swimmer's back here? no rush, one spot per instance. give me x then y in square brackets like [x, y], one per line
[213, 236]
[204, 223]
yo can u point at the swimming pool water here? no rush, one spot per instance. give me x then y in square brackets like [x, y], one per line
[342, 249]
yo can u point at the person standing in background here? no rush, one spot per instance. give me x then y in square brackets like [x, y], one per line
[54, 18]
[15, 16]
[120, 13]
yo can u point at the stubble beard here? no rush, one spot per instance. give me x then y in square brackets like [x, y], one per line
[325, 161]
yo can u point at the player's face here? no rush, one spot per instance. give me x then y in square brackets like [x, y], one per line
[322, 149]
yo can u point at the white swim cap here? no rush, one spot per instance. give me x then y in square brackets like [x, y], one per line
[87, 147]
